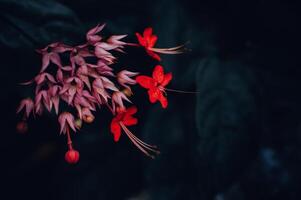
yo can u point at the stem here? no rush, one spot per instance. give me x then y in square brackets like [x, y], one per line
[69, 141]
[133, 44]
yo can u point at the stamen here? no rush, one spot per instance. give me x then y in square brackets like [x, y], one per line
[181, 91]
[167, 51]
[138, 143]
[173, 50]
[147, 146]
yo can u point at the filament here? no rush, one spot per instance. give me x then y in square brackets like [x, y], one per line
[180, 91]
[138, 143]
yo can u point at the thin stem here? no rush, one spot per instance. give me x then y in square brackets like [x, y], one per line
[69, 141]
[133, 44]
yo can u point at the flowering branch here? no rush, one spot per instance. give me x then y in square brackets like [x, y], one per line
[87, 81]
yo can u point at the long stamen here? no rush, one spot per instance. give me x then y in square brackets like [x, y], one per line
[138, 143]
[152, 147]
[147, 146]
[174, 50]
[180, 91]
[170, 49]
[168, 52]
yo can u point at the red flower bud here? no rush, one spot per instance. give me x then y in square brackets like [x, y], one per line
[72, 156]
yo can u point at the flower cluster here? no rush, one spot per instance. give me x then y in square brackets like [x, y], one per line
[82, 78]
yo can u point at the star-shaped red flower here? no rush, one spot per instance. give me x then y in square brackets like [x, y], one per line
[156, 85]
[123, 118]
[148, 41]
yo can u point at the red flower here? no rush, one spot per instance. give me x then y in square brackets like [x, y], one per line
[148, 41]
[156, 85]
[123, 117]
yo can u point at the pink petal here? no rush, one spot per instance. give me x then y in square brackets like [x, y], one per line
[118, 97]
[56, 101]
[66, 68]
[55, 58]
[106, 46]
[91, 37]
[40, 78]
[86, 80]
[49, 77]
[62, 121]
[70, 120]
[108, 84]
[86, 94]
[61, 48]
[59, 75]
[27, 82]
[45, 61]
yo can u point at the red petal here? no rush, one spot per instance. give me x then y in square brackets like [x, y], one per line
[145, 81]
[132, 110]
[153, 55]
[153, 94]
[152, 40]
[163, 100]
[129, 121]
[167, 79]
[158, 74]
[147, 32]
[141, 40]
[116, 130]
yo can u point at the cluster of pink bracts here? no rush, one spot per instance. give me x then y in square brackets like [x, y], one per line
[87, 81]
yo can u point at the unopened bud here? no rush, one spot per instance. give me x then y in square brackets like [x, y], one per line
[88, 119]
[127, 92]
[78, 123]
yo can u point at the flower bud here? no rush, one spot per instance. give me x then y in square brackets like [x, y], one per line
[78, 123]
[88, 118]
[127, 92]
[72, 156]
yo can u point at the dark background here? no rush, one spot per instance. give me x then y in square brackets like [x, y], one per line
[239, 138]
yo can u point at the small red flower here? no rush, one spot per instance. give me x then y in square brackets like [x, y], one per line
[156, 85]
[148, 41]
[123, 117]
